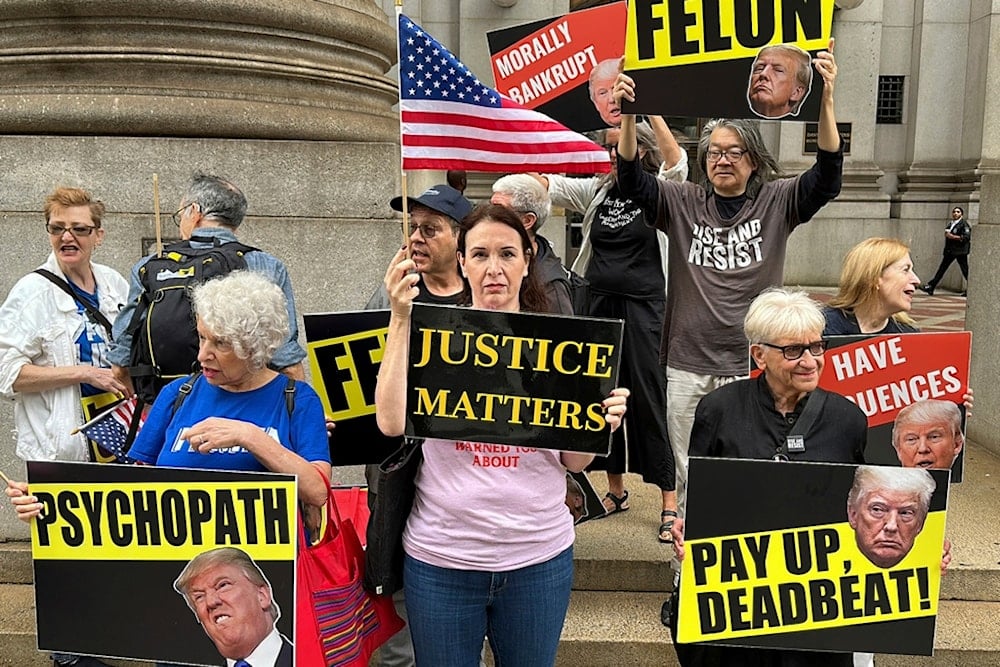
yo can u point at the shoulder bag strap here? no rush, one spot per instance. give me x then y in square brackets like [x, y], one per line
[64, 286]
[814, 405]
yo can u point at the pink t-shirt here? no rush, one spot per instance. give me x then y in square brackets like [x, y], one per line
[488, 507]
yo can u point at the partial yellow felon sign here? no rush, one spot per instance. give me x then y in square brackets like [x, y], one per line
[669, 33]
[352, 358]
[153, 521]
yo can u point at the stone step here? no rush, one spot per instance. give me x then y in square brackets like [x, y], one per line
[623, 629]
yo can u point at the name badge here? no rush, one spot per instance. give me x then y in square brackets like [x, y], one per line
[796, 444]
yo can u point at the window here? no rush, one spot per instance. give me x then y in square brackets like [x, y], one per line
[889, 109]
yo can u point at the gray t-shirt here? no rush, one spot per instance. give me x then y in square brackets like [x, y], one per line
[717, 267]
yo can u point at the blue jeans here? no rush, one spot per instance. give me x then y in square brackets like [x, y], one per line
[521, 612]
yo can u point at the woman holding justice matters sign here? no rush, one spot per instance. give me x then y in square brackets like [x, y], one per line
[489, 551]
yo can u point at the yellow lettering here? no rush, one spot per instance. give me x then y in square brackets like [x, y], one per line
[569, 415]
[557, 357]
[425, 347]
[463, 405]
[541, 416]
[425, 406]
[597, 363]
[484, 351]
[595, 417]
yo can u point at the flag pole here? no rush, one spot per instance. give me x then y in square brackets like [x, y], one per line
[405, 226]
[156, 215]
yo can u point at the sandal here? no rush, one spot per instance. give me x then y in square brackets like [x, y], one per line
[620, 503]
[667, 518]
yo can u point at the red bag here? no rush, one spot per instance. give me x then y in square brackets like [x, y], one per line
[352, 503]
[337, 622]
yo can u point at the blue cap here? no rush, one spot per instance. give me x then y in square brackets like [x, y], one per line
[442, 198]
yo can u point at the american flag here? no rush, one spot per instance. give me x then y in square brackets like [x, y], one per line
[110, 428]
[452, 120]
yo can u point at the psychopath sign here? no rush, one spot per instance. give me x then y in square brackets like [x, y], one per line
[114, 539]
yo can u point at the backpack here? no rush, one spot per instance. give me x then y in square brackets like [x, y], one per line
[164, 337]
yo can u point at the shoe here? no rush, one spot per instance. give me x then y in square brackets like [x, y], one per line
[667, 522]
[82, 661]
[620, 504]
[928, 288]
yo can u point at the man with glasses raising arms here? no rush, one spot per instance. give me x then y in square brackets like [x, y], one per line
[210, 212]
[727, 243]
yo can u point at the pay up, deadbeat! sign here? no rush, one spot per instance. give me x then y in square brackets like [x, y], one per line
[679, 46]
[793, 573]
[516, 379]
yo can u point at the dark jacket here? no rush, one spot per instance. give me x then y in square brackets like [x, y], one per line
[962, 245]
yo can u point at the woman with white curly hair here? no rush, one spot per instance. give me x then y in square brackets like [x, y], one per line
[239, 414]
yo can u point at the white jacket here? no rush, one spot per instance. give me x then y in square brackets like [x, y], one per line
[39, 325]
[585, 195]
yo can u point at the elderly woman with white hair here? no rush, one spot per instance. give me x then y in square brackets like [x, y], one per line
[753, 418]
[235, 413]
[782, 414]
[238, 414]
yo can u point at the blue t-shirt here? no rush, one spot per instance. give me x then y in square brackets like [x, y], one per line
[92, 343]
[161, 440]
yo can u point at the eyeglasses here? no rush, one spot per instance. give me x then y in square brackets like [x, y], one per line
[794, 352]
[427, 231]
[734, 155]
[179, 213]
[75, 230]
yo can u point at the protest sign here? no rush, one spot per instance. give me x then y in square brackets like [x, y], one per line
[673, 48]
[813, 565]
[345, 352]
[884, 374]
[546, 65]
[505, 378]
[582, 498]
[112, 540]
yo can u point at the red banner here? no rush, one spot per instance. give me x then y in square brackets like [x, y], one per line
[558, 56]
[884, 374]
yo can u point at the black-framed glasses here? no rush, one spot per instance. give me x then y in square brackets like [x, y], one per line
[734, 155]
[75, 230]
[794, 352]
[179, 213]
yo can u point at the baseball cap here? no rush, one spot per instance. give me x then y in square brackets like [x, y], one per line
[442, 198]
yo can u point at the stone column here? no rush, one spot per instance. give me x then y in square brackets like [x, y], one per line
[288, 98]
[984, 278]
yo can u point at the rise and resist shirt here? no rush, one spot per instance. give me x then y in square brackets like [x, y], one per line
[719, 265]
